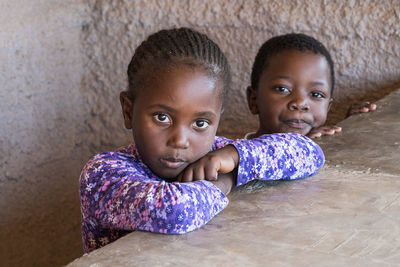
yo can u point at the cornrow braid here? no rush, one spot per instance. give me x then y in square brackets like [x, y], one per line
[178, 46]
[292, 41]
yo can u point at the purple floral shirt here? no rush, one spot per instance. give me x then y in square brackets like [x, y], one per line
[119, 193]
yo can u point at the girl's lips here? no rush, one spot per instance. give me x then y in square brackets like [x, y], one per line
[172, 163]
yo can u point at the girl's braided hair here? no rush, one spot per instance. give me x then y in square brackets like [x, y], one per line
[178, 46]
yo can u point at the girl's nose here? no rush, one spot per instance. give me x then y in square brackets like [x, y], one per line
[299, 104]
[178, 138]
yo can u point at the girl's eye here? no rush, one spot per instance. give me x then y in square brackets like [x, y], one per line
[317, 95]
[282, 89]
[201, 124]
[161, 117]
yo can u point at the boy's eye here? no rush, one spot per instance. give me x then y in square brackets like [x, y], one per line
[282, 89]
[161, 117]
[317, 95]
[201, 124]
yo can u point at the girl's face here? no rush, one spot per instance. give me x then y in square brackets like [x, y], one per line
[293, 93]
[174, 117]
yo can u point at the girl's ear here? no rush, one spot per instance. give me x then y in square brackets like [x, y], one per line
[252, 100]
[127, 109]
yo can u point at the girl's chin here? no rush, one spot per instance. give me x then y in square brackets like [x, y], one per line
[169, 180]
[169, 175]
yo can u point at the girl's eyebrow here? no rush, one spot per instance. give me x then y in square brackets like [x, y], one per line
[197, 114]
[168, 108]
[282, 77]
[206, 114]
[319, 83]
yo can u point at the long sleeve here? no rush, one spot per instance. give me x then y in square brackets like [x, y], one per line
[119, 193]
[286, 156]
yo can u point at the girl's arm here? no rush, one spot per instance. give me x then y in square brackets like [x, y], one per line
[118, 192]
[269, 157]
[286, 156]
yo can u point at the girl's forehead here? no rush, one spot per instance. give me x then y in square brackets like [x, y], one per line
[180, 84]
[178, 78]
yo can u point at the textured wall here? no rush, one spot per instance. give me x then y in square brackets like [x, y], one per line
[42, 131]
[363, 37]
[63, 64]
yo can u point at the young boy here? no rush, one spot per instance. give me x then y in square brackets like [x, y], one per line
[292, 83]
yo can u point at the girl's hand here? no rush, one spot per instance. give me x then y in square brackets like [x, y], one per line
[324, 130]
[222, 160]
[225, 182]
[361, 107]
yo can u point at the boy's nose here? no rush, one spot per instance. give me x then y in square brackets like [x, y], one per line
[299, 104]
[178, 138]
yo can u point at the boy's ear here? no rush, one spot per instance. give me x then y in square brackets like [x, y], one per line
[127, 109]
[252, 100]
[330, 104]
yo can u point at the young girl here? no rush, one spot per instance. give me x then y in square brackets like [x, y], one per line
[292, 83]
[177, 81]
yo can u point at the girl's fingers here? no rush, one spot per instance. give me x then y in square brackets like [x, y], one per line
[210, 172]
[198, 173]
[187, 175]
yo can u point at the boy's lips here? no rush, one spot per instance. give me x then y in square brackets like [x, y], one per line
[172, 163]
[297, 124]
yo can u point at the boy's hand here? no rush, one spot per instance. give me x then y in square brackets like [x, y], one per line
[324, 130]
[222, 160]
[361, 107]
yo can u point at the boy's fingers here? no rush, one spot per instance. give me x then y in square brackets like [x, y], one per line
[315, 135]
[329, 131]
[337, 129]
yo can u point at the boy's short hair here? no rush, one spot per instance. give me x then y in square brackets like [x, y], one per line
[292, 41]
[175, 46]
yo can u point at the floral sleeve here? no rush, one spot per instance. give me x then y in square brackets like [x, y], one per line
[286, 156]
[117, 193]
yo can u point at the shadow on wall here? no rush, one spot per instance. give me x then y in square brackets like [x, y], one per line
[44, 229]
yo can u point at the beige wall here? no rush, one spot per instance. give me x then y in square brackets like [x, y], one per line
[42, 131]
[63, 64]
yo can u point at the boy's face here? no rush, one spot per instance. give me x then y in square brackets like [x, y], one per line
[293, 93]
[174, 117]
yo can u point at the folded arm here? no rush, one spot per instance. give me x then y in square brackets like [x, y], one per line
[120, 194]
[286, 156]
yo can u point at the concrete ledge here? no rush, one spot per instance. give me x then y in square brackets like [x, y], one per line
[369, 142]
[347, 214]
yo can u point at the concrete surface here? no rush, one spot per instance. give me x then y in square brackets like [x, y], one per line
[346, 215]
[63, 64]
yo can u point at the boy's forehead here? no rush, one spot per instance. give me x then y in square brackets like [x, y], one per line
[296, 58]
